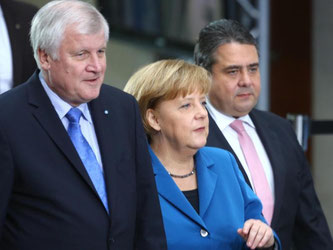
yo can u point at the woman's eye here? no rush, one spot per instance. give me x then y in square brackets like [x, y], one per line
[187, 105]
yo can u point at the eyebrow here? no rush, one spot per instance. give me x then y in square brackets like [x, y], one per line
[240, 66]
[253, 65]
[191, 98]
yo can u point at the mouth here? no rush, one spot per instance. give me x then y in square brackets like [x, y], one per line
[200, 129]
[244, 92]
[92, 80]
[244, 95]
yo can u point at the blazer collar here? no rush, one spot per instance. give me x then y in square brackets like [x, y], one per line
[168, 189]
[103, 115]
[206, 180]
[217, 139]
[45, 114]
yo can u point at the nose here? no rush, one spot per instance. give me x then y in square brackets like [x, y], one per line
[201, 112]
[95, 64]
[245, 79]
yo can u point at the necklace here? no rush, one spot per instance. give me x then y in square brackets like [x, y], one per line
[183, 176]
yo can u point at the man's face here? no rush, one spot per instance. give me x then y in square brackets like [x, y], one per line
[78, 73]
[236, 79]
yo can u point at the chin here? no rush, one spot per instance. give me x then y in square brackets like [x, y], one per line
[242, 111]
[92, 94]
[201, 144]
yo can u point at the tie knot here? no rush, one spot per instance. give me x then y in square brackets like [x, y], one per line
[237, 125]
[74, 115]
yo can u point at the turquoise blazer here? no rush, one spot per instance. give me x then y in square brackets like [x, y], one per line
[225, 203]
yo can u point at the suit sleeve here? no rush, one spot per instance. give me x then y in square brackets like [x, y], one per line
[311, 230]
[6, 177]
[149, 226]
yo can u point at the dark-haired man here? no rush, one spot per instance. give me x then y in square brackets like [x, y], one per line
[280, 174]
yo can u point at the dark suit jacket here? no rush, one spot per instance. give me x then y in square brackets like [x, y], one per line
[47, 200]
[298, 218]
[18, 16]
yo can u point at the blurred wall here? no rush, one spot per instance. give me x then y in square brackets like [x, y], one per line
[322, 94]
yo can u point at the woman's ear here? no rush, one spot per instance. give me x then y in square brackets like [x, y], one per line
[152, 119]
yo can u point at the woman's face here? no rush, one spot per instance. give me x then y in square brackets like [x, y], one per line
[182, 122]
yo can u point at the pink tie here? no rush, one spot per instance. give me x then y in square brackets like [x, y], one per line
[259, 179]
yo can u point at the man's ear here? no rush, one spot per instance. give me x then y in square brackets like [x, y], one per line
[152, 119]
[44, 59]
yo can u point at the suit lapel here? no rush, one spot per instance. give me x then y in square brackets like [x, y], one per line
[206, 181]
[169, 190]
[108, 142]
[270, 140]
[45, 114]
[217, 139]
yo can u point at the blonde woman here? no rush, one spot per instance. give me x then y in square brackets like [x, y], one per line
[204, 199]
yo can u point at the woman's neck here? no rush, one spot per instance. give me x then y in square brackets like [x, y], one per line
[176, 161]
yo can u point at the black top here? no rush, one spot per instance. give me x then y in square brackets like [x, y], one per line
[193, 197]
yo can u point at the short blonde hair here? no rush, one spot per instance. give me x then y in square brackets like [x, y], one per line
[165, 80]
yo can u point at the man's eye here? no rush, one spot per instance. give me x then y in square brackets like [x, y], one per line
[253, 69]
[232, 72]
[80, 54]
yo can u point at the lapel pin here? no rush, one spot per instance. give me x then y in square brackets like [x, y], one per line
[106, 112]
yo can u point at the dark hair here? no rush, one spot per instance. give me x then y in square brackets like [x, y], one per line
[218, 33]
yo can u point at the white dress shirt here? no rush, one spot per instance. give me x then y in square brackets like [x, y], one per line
[6, 63]
[223, 122]
[87, 126]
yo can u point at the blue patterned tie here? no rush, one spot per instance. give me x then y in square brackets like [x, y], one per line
[86, 154]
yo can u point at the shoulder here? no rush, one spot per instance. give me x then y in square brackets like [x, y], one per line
[271, 126]
[267, 116]
[14, 96]
[220, 161]
[14, 106]
[120, 102]
[215, 154]
[114, 94]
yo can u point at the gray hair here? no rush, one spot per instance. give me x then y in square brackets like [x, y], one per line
[50, 22]
[218, 33]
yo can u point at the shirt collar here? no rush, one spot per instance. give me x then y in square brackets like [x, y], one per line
[225, 120]
[60, 105]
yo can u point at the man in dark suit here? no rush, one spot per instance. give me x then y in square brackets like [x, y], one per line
[90, 187]
[17, 17]
[229, 52]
